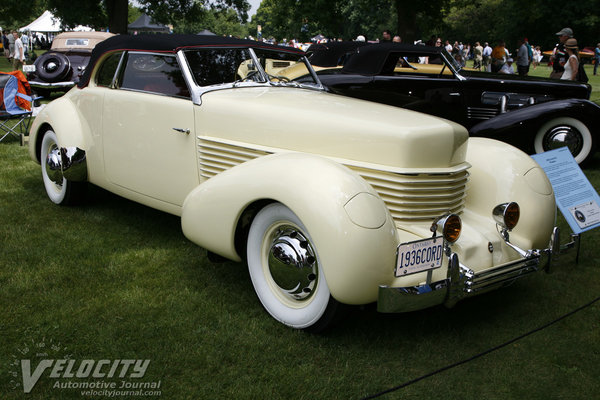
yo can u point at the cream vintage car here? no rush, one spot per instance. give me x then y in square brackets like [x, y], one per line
[352, 203]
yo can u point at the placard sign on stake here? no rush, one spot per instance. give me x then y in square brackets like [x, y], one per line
[575, 196]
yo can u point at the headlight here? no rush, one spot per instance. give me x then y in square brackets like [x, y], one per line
[507, 215]
[450, 225]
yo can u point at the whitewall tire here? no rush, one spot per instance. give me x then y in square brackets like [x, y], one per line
[285, 270]
[58, 188]
[565, 131]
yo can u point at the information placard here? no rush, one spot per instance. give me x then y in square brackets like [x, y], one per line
[576, 198]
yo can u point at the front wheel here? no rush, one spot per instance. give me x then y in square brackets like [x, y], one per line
[565, 131]
[286, 272]
[59, 189]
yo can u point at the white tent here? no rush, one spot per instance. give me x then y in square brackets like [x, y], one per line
[44, 23]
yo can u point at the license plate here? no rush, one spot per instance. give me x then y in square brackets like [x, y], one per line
[419, 256]
[29, 68]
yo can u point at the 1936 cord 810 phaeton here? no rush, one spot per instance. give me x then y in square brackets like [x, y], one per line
[355, 203]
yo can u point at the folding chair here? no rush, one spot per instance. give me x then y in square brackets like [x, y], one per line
[15, 105]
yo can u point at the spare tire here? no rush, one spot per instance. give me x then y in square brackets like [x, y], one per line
[52, 67]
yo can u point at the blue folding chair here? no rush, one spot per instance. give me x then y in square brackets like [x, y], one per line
[14, 120]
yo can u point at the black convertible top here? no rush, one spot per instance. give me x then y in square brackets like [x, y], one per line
[331, 54]
[372, 59]
[169, 43]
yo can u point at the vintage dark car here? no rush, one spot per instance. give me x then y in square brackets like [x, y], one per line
[534, 114]
[60, 68]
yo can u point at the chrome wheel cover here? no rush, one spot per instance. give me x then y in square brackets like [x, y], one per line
[53, 165]
[564, 135]
[292, 263]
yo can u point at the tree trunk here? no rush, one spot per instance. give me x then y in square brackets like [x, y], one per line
[406, 17]
[117, 15]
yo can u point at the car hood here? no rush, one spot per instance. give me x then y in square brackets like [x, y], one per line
[334, 126]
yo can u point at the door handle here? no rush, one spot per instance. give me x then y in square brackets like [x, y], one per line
[186, 131]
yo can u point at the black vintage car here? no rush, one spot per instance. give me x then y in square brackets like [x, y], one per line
[534, 114]
[60, 68]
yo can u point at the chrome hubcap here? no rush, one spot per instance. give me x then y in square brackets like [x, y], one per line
[51, 66]
[53, 166]
[564, 135]
[292, 263]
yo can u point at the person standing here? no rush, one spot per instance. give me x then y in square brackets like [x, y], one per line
[11, 45]
[25, 41]
[596, 57]
[537, 56]
[499, 56]
[522, 58]
[559, 56]
[19, 53]
[487, 55]
[571, 67]
[478, 56]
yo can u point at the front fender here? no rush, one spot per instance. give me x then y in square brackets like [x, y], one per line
[64, 119]
[353, 230]
[501, 173]
[519, 127]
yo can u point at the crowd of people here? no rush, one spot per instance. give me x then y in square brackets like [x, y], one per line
[564, 60]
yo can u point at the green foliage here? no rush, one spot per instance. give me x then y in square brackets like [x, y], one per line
[345, 19]
[15, 14]
[538, 20]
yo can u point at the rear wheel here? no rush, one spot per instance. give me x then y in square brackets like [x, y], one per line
[59, 189]
[565, 131]
[285, 270]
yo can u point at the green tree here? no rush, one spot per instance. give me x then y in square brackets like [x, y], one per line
[93, 13]
[347, 19]
[15, 14]
[509, 20]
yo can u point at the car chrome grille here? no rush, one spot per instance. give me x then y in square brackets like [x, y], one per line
[419, 197]
[481, 113]
[410, 197]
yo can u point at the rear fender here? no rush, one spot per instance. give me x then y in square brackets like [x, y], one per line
[62, 116]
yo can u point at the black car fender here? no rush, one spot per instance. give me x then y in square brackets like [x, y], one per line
[519, 127]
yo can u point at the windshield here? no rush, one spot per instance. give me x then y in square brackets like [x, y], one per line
[238, 67]
[456, 65]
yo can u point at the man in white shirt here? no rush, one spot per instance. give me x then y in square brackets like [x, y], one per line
[507, 67]
[19, 54]
[487, 55]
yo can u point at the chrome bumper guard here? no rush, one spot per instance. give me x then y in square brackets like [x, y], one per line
[463, 282]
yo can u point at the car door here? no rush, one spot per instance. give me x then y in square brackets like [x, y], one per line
[148, 122]
[429, 88]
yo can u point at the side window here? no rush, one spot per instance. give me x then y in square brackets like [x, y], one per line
[106, 72]
[154, 73]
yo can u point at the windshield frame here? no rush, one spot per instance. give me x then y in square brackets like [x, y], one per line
[265, 80]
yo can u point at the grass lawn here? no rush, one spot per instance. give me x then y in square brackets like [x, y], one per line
[114, 280]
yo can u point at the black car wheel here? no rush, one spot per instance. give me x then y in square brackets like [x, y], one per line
[565, 131]
[53, 67]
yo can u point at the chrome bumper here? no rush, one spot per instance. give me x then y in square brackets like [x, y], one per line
[463, 282]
